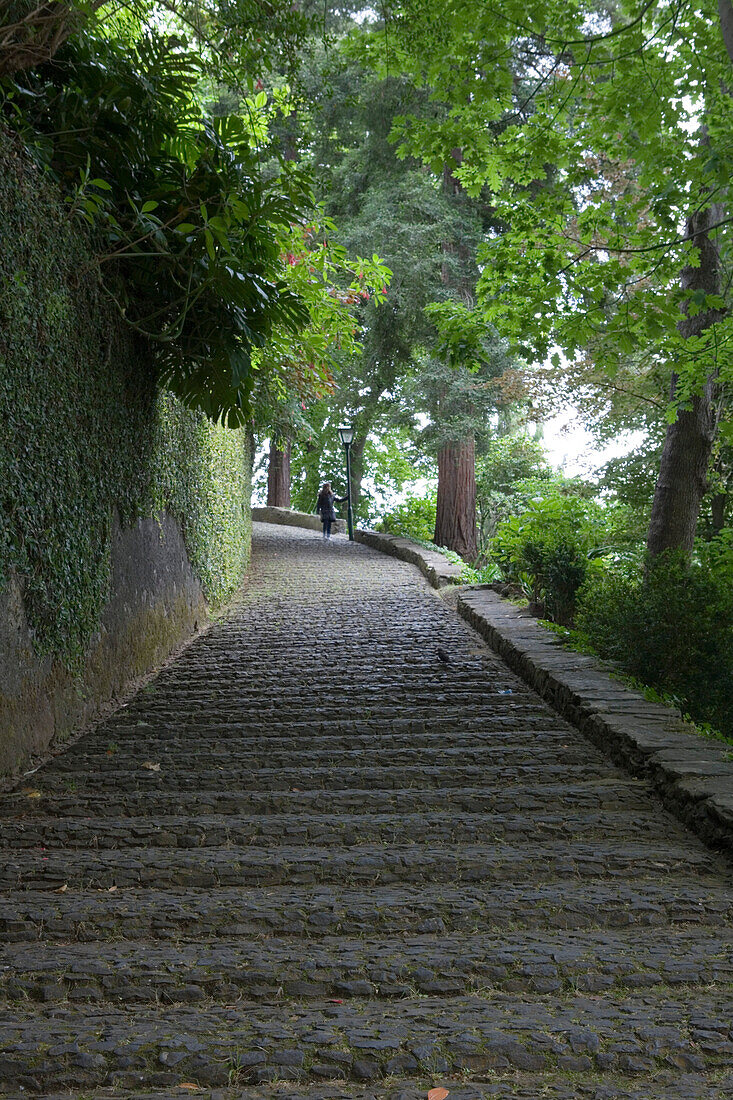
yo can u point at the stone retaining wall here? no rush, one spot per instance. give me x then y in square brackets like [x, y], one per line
[289, 518]
[438, 570]
[155, 603]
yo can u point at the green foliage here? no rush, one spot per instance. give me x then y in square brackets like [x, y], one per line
[585, 125]
[672, 627]
[201, 476]
[459, 388]
[511, 471]
[179, 201]
[382, 203]
[84, 433]
[552, 547]
[414, 518]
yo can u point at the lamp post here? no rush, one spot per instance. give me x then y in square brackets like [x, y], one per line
[346, 436]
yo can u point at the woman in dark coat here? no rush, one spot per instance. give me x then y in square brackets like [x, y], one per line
[324, 506]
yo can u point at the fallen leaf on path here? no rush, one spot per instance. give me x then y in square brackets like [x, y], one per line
[151, 767]
[62, 889]
[437, 1094]
[31, 792]
[111, 889]
[335, 1001]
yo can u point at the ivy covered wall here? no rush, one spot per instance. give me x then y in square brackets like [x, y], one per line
[87, 441]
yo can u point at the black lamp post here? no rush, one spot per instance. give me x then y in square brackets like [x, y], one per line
[346, 436]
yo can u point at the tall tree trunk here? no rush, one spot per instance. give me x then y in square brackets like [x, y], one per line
[455, 517]
[357, 468]
[718, 505]
[455, 513]
[689, 441]
[725, 11]
[278, 476]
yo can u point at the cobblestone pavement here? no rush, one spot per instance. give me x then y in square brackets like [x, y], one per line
[310, 860]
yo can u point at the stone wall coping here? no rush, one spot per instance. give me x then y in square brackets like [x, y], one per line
[434, 565]
[289, 518]
[692, 774]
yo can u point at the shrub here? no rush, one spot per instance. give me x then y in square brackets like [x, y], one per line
[549, 549]
[671, 626]
[414, 518]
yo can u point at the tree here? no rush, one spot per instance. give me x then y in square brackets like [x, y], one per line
[278, 475]
[690, 438]
[601, 107]
[196, 239]
[385, 204]
[458, 388]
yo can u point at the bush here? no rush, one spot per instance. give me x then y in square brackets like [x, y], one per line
[671, 627]
[414, 518]
[549, 549]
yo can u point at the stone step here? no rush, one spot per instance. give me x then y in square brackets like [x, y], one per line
[192, 756]
[384, 683]
[502, 707]
[614, 793]
[484, 1037]
[396, 734]
[444, 825]
[361, 864]
[666, 1084]
[219, 676]
[339, 967]
[432, 880]
[195, 719]
[313, 912]
[389, 702]
[177, 776]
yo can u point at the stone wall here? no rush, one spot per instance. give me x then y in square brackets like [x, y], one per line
[155, 601]
[288, 518]
[122, 513]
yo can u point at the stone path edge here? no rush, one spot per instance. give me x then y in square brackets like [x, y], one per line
[692, 774]
[433, 565]
[286, 517]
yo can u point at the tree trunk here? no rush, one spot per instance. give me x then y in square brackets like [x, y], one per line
[455, 514]
[357, 468]
[725, 11]
[278, 476]
[718, 505]
[455, 518]
[689, 441]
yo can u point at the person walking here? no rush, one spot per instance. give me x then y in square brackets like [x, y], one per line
[324, 506]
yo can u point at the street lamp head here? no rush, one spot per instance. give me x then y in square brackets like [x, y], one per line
[346, 435]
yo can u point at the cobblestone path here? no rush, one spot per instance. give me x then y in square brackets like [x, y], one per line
[310, 860]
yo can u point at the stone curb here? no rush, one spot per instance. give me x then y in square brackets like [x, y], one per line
[286, 517]
[438, 570]
[692, 775]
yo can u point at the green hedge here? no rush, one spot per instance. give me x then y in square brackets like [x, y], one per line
[84, 430]
[670, 627]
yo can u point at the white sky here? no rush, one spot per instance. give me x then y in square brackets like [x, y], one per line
[572, 449]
